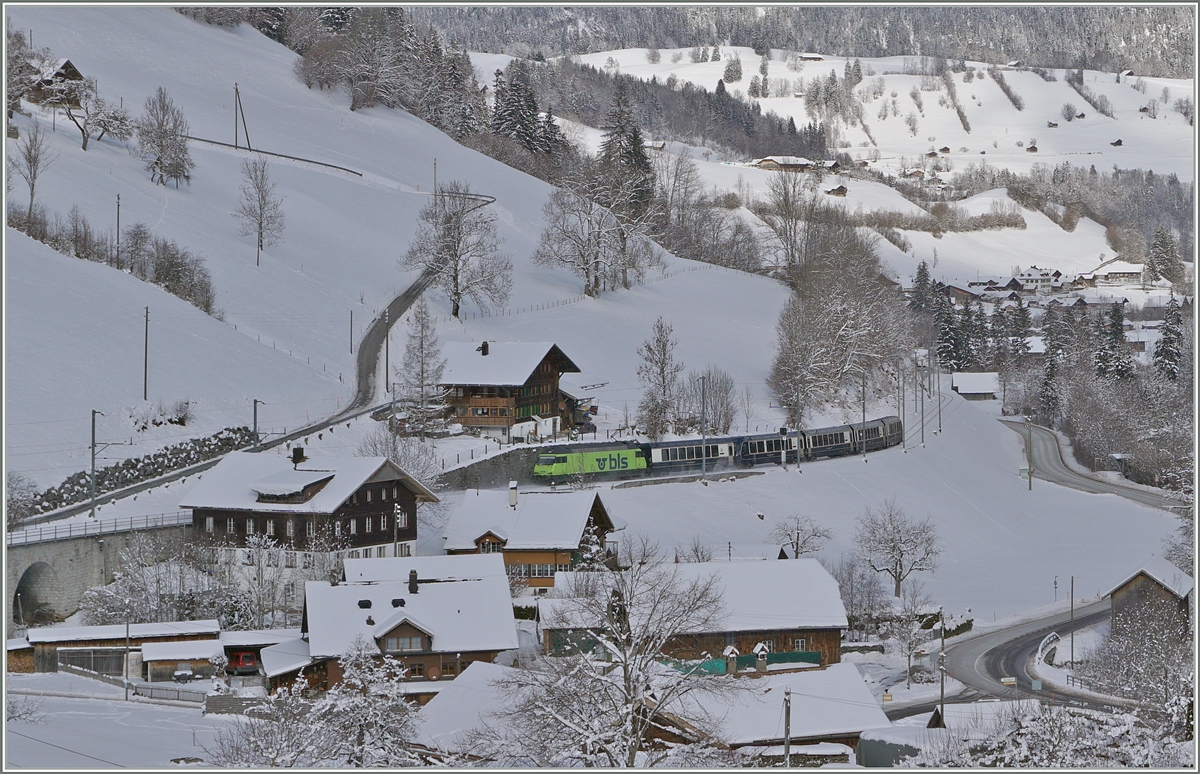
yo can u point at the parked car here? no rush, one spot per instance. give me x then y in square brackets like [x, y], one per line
[242, 662]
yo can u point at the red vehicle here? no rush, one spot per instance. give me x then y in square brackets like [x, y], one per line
[242, 662]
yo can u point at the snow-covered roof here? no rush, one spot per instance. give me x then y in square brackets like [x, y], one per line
[1171, 577]
[827, 702]
[786, 161]
[256, 637]
[284, 657]
[463, 705]
[976, 384]
[507, 363]
[117, 631]
[541, 520]
[465, 615]
[181, 651]
[18, 643]
[289, 482]
[458, 567]
[751, 595]
[234, 483]
[1119, 267]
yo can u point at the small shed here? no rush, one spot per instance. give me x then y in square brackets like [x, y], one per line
[839, 191]
[20, 655]
[161, 659]
[976, 386]
[1157, 588]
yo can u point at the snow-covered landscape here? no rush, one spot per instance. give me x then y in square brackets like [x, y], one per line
[933, 238]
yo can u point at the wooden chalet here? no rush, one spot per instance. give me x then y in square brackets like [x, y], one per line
[446, 614]
[754, 620]
[51, 71]
[365, 505]
[538, 534]
[840, 191]
[502, 389]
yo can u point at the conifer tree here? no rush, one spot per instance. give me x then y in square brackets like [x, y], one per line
[753, 90]
[1164, 255]
[922, 293]
[1112, 358]
[733, 69]
[1019, 329]
[421, 372]
[1170, 345]
[947, 342]
[623, 156]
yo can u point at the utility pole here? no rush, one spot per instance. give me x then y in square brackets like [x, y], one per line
[938, 366]
[387, 346]
[1072, 623]
[942, 666]
[235, 114]
[863, 432]
[92, 478]
[126, 650]
[1029, 452]
[256, 402]
[922, 396]
[118, 229]
[903, 417]
[146, 360]
[351, 331]
[787, 727]
[703, 434]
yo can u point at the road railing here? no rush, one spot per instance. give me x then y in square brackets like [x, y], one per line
[99, 527]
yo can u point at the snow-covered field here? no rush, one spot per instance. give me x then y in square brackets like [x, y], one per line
[339, 255]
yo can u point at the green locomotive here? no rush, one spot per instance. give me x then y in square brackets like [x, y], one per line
[561, 462]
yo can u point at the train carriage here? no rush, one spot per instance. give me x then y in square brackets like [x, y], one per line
[763, 449]
[685, 455]
[869, 436]
[829, 442]
[893, 431]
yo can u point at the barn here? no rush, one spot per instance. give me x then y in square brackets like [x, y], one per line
[976, 386]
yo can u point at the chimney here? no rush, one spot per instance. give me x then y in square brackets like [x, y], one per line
[484, 348]
[512, 494]
[298, 455]
[412, 582]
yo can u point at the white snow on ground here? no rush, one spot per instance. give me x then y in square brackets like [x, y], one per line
[343, 237]
[96, 733]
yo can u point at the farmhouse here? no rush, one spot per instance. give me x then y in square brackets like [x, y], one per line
[435, 627]
[502, 389]
[1119, 272]
[538, 534]
[367, 505]
[786, 163]
[1156, 590]
[808, 621]
[53, 70]
[976, 386]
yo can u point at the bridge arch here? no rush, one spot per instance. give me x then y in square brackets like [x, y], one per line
[37, 596]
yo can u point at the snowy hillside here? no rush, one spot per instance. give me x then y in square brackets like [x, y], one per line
[344, 233]
[1163, 144]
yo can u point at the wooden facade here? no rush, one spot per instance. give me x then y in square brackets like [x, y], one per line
[45, 654]
[366, 519]
[827, 642]
[503, 405]
[1141, 598]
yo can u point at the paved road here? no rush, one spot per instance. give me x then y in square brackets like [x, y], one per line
[981, 662]
[1048, 465]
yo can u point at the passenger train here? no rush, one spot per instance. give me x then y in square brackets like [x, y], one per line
[616, 459]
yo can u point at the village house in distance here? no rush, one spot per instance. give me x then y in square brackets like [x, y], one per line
[367, 505]
[506, 390]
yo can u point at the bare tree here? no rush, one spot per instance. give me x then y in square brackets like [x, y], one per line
[800, 532]
[791, 201]
[162, 140]
[600, 704]
[81, 102]
[747, 406]
[905, 624]
[33, 158]
[696, 551]
[457, 241]
[659, 373]
[580, 234]
[716, 393]
[862, 591]
[260, 211]
[888, 541]
[26, 708]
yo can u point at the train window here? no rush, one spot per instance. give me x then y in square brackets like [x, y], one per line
[638, 453]
[546, 459]
[673, 454]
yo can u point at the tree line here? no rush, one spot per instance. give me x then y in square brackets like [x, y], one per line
[1155, 41]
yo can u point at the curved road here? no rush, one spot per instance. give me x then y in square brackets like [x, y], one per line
[1048, 465]
[980, 662]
